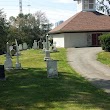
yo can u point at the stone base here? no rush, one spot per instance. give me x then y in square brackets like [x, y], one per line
[47, 58]
[8, 64]
[18, 66]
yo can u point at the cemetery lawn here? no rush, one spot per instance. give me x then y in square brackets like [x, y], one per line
[30, 89]
[104, 57]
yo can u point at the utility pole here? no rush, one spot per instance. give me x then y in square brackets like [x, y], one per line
[20, 6]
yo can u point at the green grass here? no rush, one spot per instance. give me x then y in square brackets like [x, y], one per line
[104, 57]
[30, 89]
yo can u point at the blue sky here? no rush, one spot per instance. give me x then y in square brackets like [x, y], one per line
[55, 10]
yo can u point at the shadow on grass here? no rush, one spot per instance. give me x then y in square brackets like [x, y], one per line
[30, 88]
[101, 83]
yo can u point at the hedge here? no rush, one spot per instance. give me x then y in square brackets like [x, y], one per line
[105, 42]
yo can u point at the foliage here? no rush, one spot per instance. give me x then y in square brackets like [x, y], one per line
[4, 26]
[26, 28]
[104, 5]
[30, 89]
[104, 57]
[105, 42]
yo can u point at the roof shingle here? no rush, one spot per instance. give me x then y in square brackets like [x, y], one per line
[84, 22]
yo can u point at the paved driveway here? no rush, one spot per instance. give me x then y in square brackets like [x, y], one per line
[83, 60]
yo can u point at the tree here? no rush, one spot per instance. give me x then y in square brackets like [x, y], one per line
[40, 18]
[4, 26]
[105, 42]
[27, 27]
[104, 5]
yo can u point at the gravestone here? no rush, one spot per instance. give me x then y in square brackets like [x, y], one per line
[20, 47]
[17, 65]
[54, 47]
[8, 62]
[2, 72]
[35, 45]
[52, 71]
[25, 47]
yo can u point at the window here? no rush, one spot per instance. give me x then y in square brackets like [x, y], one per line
[89, 4]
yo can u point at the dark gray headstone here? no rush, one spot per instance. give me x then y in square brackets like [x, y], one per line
[2, 72]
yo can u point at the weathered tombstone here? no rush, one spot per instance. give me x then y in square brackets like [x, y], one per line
[54, 46]
[20, 47]
[18, 65]
[8, 62]
[25, 47]
[2, 72]
[52, 71]
[35, 44]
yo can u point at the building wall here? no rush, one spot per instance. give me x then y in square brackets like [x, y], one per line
[75, 40]
[68, 40]
[59, 39]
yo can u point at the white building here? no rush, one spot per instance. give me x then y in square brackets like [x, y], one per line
[83, 28]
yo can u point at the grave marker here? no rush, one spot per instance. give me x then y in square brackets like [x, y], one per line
[25, 47]
[20, 47]
[52, 71]
[18, 65]
[35, 45]
[8, 62]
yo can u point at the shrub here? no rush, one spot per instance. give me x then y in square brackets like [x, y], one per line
[105, 42]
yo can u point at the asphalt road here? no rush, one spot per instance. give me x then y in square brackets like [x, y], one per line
[83, 60]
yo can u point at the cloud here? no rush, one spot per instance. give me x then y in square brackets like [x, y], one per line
[63, 1]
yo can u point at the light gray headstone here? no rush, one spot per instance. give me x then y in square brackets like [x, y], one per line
[25, 47]
[52, 71]
[54, 46]
[8, 62]
[35, 45]
[20, 47]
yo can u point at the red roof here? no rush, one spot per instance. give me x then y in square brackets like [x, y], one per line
[84, 22]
